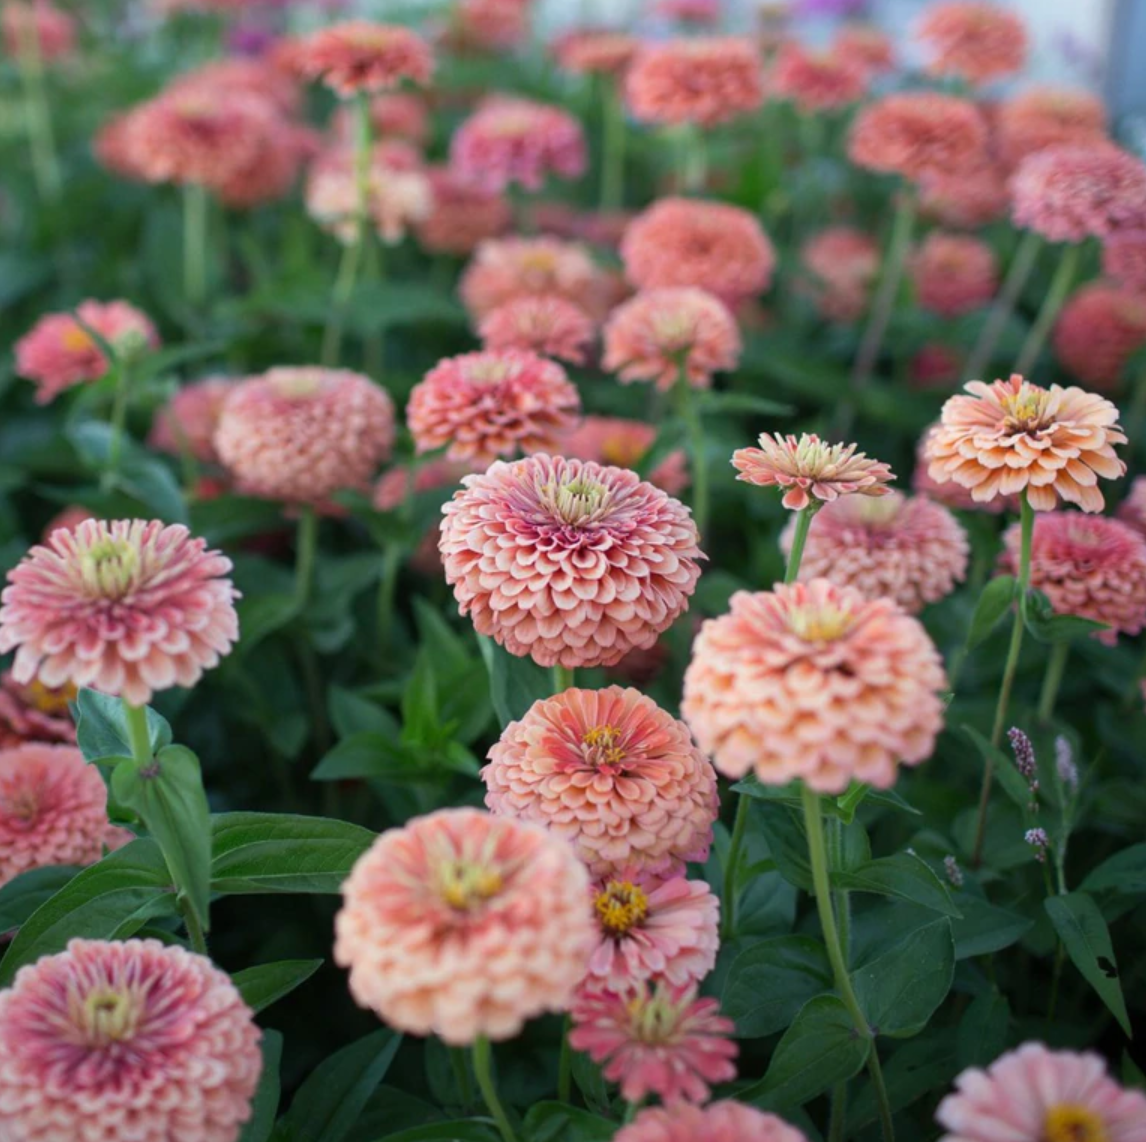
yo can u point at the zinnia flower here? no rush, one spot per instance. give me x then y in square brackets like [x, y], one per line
[810, 469]
[126, 1040]
[38, 26]
[1013, 436]
[869, 47]
[186, 424]
[567, 561]
[656, 1039]
[1037, 1093]
[461, 216]
[624, 443]
[950, 494]
[58, 352]
[662, 334]
[488, 25]
[1124, 258]
[243, 76]
[1045, 117]
[843, 264]
[1098, 331]
[711, 245]
[546, 324]
[460, 924]
[35, 713]
[1089, 566]
[817, 81]
[302, 434]
[814, 681]
[127, 608]
[490, 404]
[972, 41]
[612, 774]
[362, 56]
[965, 199]
[595, 51]
[716, 1122]
[953, 273]
[698, 80]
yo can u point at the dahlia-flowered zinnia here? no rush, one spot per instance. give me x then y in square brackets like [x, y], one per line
[842, 264]
[1044, 117]
[1089, 566]
[1014, 436]
[126, 607]
[362, 56]
[612, 774]
[814, 681]
[950, 494]
[810, 469]
[244, 76]
[39, 26]
[497, 402]
[460, 216]
[663, 334]
[972, 41]
[1124, 258]
[57, 352]
[462, 924]
[1035, 1093]
[866, 45]
[570, 562]
[1100, 328]
[302, 434]
[717, 1122]
[126, 1040]
[186, 424]
[624, 443]
[34, 712]
[656, 1038]
[595, 51]
[545, 324]
[965, 199]
[953, 273]
[817, 81]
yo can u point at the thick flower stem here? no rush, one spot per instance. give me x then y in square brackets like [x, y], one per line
[482, 1058]
[118, 420]
[1052, 304]
[803, 522]
[613, 159]
[306, 546]
[388, 593]
[694, 426]
[37, 111]
[1052, 680]
[565, 1064]
[562, 678]
[195, 246]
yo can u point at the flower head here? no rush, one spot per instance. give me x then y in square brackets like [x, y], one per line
[395, 115]
[38, 25]
[595, 51]
[611, 773]
[954, 273]
[842, 265]
[624, 443]
[119, 1040]
[570, 562]
[35, 712]
[973, 41]
[716, 1122]
[654, 1038]
[817, 81]
[867, 46]
[1013, 436]
[1044, 117]
[460, 924]
[1099, 330]
[243, 76]
[461, 216]
[814, 681]
[966, 199]
[362, 56]
[1035, 1092]
[488, 25]
[545, 324]
[810, 469]
[662, 334]
[302, 434]
[1124, 258]
[186, 424]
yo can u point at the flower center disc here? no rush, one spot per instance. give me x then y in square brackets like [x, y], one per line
[1070, 1122]
[109, 567]
[621, 907]
[107, 1016]
[602, 747]
[464, 885]
[819, 624]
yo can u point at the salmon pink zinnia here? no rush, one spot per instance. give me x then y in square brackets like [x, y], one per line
[973, 41]
[817, 81]
[716, 1122]
[461, 216]
[33, 712]
[842, 265]
[624, 443]
[362, 56]
[1124, 258]
[1044, 117]
[186, 424]
[546, 324]
[953, 274]
[1099, 330]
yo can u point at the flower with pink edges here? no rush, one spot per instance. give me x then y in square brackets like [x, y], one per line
[497, 402]
[1089, 566]
[545, 324]
[612, 774]
[842, 265]
[656, 1038]
[127, 608]
[1100, 328]
[965, 199]
[567, 561]
[663, 334]
[717, 1122]
[950, 494]
[867, 46]
[300, 434]
[186, 424]
[595, 51]
[973, 41]
[273, 169]
[813, 681]
[126, 1040]
[624, 443]
[461, 924]
[1124, 258]
[702, 80]
[488, 25]
[57, 352]
[689, 242]
[1036, 1093]
[817, 81]
[37, 26]
[1043, 117]
[34, 713]
[361, 56]
[953, 274]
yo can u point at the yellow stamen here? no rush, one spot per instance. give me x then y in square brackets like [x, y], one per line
[1070, 1122]
[604, 745]
[107, 1016]
[464, 885]
[819, 624]
[76, 340]
[621, 907]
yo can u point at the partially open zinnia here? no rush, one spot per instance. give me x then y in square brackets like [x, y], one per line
[624, 443]
[1043, 117]
[842, 265]
[362, 56]
[461, 216]
[186, 424]
[817, 81]
[1124, 258]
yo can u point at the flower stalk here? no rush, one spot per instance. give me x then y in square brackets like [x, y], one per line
[482, 1056]
[1048, 313]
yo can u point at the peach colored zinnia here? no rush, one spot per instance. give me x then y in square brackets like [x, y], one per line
[817, 81]
[494, 403]
[1124, 258]
[460, 924]
[460, 216]
[624, 443]
[1044, 117]
[1036, 1093]
[126, 1040]
[843, 264]
[186, 424]
[663, 334]
[814, 681]
[570, 562]
[953, 273]
[362, 56]
[546, 324]
[716, 1122]
[302, 434]
[612, 774]
[1013, 436]
[1100, 328]
[973, 41]
[950, 494]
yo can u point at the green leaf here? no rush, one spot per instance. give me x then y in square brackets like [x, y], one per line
[995, 600]
[787, 843]
[351, 713]
[460, 1130]
[1084, 934]
[914, 1072]
[280, 852]
[420, 721]
[904, 876]
[265, 984]
[769, 982]
[560, 1122]
[334, 1094]
[713, 402]
[982, 1033]
[229, 518]
[514, 683]
[101, 727]
[265, 1105]
[1125, 872]
[23, 894]
[373, 755]
[1046, 626]
[261, 615]
[168, 795]
[448, 650]
[1013, 782]
[984, 928]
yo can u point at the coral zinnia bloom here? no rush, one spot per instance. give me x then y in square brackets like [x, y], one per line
[1099, 329]
[460, 924]
[662, 334]
[950, 494]
[919, 135]
[57, 352]
[40, 25]
[1013, 436]
[867, 46]
[302, 434]
[461, 216]
[700, 80]
[624, 443]
[490, 404]
[362, 56]
[972, 41]
[814, 681]
[127, 608]
[817, 81]
[656, 1039]
[1086, 565]
[546, 324]
[1124, 258]
[1044, 117]
[810, 469]
[843, 264]
[592, 51]
[965, 200]
[126, 1040]
[567, 561]
[611, 773]
[186, 424]
[711, 245]
[1038, 1093]
[953, 273]
[717, 1122]
[35, 713]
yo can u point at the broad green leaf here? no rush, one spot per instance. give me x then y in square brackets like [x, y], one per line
[767, 903]
[514, 683]
[983, 928]
[420, 720]
[101, 727]
[1131, 1073]
[265, 984]
[372, 755]
[717, 403]
[265, 1104]
[995, 599]
[783, 829]
[914, 1072]
[1041, 620]
[560, 1122]
[351, 713]
[23, 894]
[769, 982]
[590, 1082]
[904, 876]
[449, 652]
[228, 518]
[1125, 872]
[261, 615]
[982, 1033]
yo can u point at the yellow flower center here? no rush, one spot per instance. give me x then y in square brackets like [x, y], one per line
[622, 451]
[621, 907]
[1070, 1122]
[76, 340]
[819, 624]
[539, 262]
[106, 1016]
[654, 1018]
[47, 700]
[109, 567]
[295, 384]
[1026, 409]
[464, 885]
[577, 501]
[878, 510]
[603, 746]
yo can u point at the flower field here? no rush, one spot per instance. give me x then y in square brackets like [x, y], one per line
[566, 586]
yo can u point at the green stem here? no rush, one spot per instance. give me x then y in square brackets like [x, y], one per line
[194, 928]
[565, 1064]
[771, 160]
[728, 900]
[694, 160]
[613, 159]
[1049, 311]
[1136, 413]
[562, 678]
[195, 246]
[37, 110]
[839, 1113]
[344, 284]
[631, 1109]
[118, 420]
[1052, 680]
[137, 732]
[306, 548]
[482, 1058]
[799, 538]
[694, 426]
[388, 593]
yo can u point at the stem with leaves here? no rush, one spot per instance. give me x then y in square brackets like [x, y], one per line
[1052, 680]
[613, 159]
[195, 246]
[1048, 313]
[694, 427]
[122, 366]
[483, 1072]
